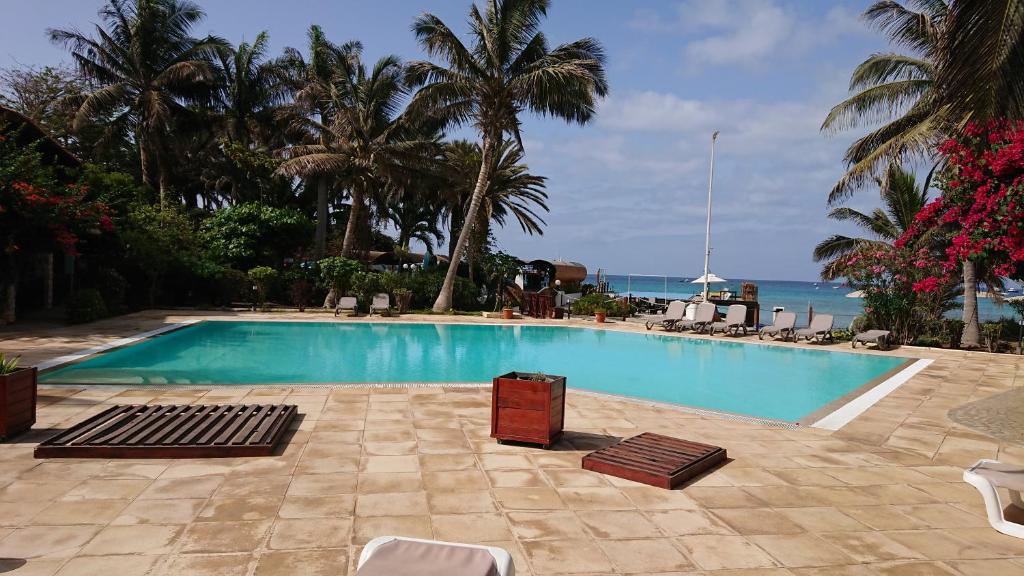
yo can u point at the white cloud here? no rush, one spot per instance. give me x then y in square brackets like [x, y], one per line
[745, 32]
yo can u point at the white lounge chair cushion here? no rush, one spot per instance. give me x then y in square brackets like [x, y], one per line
[1001, 475]
[346, 303]
[395, 556]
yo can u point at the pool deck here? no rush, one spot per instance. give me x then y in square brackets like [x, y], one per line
[882, 495]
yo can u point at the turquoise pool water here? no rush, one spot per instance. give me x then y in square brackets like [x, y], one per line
[764, 381]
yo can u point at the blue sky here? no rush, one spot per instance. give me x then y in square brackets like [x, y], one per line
[627, 192]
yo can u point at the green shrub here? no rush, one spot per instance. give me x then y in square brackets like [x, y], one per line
[112, 287]
[587, 305]
[8, 365]
[263, 277]
[337, 273]
[841, 335]
[86, 305]
[250, 235]
[991, 333]
[425, 287]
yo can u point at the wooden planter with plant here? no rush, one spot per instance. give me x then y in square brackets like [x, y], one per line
[528, 407]
[17, 397]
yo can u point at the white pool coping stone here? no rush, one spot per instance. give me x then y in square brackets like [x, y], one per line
[47, 364]
[854, 408]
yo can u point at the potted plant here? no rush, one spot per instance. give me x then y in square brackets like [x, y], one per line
[507, 313]
[528, 407]
[600, 314]
[403, 296]
[17, 397]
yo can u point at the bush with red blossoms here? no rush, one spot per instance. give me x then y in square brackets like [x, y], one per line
[982, 202]
[890, 279]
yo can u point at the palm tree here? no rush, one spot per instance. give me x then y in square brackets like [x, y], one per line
[966, 63]
[310, 82]
[897, 89]
[901, 198]
[511, 192]
[416, 219]
[508, 69]
[251, 89]
[147, 66]
[366, 143]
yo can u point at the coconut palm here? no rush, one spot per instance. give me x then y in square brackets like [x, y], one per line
[365, 141]
[310, 83]
[252, 87]
[415, 219]
[902, 199]
[512, 193]
[508, 69]
[147, 66]
[898, 89]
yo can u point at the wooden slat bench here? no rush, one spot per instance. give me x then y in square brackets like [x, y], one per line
[174, 431]
[655, 460]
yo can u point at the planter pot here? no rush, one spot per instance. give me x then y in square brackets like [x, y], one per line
[17, 402]
[507, 314]
[525, 410]
[599, 317]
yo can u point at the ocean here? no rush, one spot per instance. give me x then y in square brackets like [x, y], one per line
[825, 297]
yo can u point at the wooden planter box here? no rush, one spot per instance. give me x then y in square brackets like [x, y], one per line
[17, 402]
[524, 410]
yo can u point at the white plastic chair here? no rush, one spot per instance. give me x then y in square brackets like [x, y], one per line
[502, 559]
[990, 475]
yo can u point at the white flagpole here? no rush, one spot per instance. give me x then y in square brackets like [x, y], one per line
[707, 235]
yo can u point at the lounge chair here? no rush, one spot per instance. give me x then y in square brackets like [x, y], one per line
[381, 303]
[705, 316]
[879, 337]
[675, 312]
[396, 556]
[785, 324]
[990, 475]
[819, 330]
[735, 320]
[345, 303]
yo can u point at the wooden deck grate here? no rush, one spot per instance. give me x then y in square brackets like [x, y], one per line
[654, 459]
[174, 431]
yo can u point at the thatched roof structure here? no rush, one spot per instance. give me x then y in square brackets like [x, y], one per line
[25, 131]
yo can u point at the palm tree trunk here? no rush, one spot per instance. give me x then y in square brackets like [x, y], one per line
[972, 331]
[444, 299]
[348, 246]
[143, 143]
[320, 239]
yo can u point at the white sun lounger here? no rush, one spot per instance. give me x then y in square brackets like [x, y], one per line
[990, 475]
[397, 556]
[345, 303]
[819, 330]
[785, 324]
[879, 337]
[675, 312]
[735, 320]
[381, 303]
[704, 316]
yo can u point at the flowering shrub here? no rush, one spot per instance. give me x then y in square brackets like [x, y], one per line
[982, 201]
[890, 279]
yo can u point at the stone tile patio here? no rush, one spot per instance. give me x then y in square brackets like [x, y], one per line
[882, 495]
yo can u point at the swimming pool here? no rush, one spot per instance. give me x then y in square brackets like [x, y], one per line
[773, 382]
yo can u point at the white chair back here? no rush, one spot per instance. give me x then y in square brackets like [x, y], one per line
[347, 302]
[705, 312]
[381, 300]
[676, 310]
[821, 322]
[785, 320]
[737, 314]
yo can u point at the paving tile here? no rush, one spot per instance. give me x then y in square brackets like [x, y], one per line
[224, 537]
[528, 499]
[106, 565]
[689, 522]
[366, 529]
[140, 539]
[645, 556]
[461, 502]
[209, 564]
[166, 489]
[330, 562]
[177, 511]
[565, 556]
[318, 507]
[758, 521]
[239, 509]
[798, 550]
[46, 541]
[470, 527]
[594, 498]
[80, 512]
[871, 546]
[822, 519]
[712, 552]
[308, 533]
[611, 524]
[394, 504]
[322, 485]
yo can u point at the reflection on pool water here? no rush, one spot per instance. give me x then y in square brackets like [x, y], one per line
[765, 381]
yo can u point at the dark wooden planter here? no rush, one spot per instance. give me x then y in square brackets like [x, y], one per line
[17, 402]
[524, 410]
[403, 301]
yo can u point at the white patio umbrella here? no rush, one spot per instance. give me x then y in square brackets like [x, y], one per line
[712, 278]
